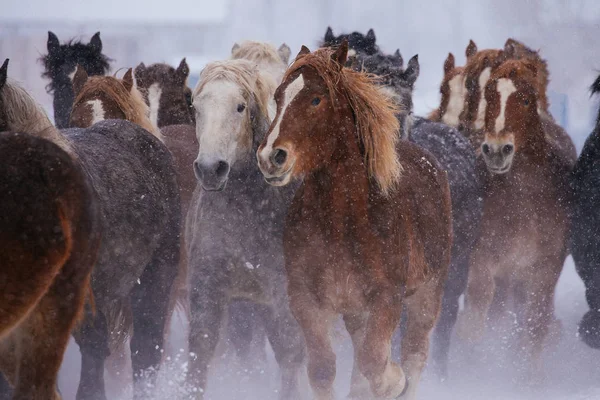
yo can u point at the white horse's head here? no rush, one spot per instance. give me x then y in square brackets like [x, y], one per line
[231, 102]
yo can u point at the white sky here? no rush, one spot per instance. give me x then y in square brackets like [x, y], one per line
[132, 11]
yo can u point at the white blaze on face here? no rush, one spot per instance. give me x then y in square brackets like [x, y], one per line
[483, 78]
[505, 87]
[154, 93]
[456, 102]
[97, 111]
[223, 133]
[290, 93]
[72, 75]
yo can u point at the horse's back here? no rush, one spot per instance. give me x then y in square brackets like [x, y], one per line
[133, 175]
[48, 214]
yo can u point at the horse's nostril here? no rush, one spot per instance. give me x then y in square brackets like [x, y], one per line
[222, 169]
[508, 148]
[485, 148]
[279, 156]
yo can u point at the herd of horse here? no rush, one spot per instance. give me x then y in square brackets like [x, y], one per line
[275, 197]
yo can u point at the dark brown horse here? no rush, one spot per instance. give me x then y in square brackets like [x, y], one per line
[166, 92]
[524, 233]
[49, 238]
[369, 229]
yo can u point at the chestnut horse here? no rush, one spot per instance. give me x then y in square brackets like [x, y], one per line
[524, 234]
[452, 90]
[59, 67]
[369, 229]
[49, 238]
[166, 92]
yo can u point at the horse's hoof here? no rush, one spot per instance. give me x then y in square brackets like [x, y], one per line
[403, 391]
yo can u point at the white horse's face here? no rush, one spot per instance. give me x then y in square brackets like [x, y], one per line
[223, 130]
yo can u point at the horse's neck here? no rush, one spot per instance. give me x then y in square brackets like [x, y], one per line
[63, 103]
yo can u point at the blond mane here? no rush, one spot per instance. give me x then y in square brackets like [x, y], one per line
[131, 103]
[246, 75]
[374, 112]
[263, 54]
[25, 115]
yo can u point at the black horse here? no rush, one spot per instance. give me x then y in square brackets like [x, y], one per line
[458, 159]
[585, 229]
[59, 65]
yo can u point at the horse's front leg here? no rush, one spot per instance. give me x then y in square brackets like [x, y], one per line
[355, 325]
[386, 378]
[315, 322]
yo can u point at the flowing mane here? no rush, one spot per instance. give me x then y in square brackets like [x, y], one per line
[131, 103]
[258, 52]
[374, 112]
[245, 74]
[23, 114]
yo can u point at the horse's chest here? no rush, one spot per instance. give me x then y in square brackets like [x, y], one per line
[333, 271]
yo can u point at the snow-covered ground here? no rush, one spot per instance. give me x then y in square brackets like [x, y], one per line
[573, 369]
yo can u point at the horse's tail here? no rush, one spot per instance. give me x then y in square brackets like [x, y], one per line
[179, 299]
[119, 321]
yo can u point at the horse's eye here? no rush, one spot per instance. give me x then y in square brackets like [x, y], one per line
[241, 107]
[526, 102]
[316, 101]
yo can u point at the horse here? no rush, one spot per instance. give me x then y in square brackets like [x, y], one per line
[524, 234]
[457, 157]
[133, 178]
[119, 99]
[452, 90]
[235, 222]
[369, 229]
[357, 42]
[585, 221]
[50, 236]
[166, 93]
[264, 55]
[59, 65]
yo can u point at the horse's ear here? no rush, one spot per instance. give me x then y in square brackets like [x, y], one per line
[471, 49]
[449, 63]
[96, 42]
[371, 36]
[234, 48]
[398, 59]
[183, 71]
[303, 51]
[341, 54]
[53, 43]
[411, 73]
[329, 36]
[3, 73]
[79, 79]
[284, 52]
[128, 80]
[139, 73]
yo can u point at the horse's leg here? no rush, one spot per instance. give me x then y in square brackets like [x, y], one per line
[149, 306]
[5, 389]
[208, 302]
[539, 315]
[8, 366]
[422, 309]
[386, 378]
[287, 342]
[359, 386]
[478, 297]
[92, 338]
[315, 323]
[442, 334]
[242, 331]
